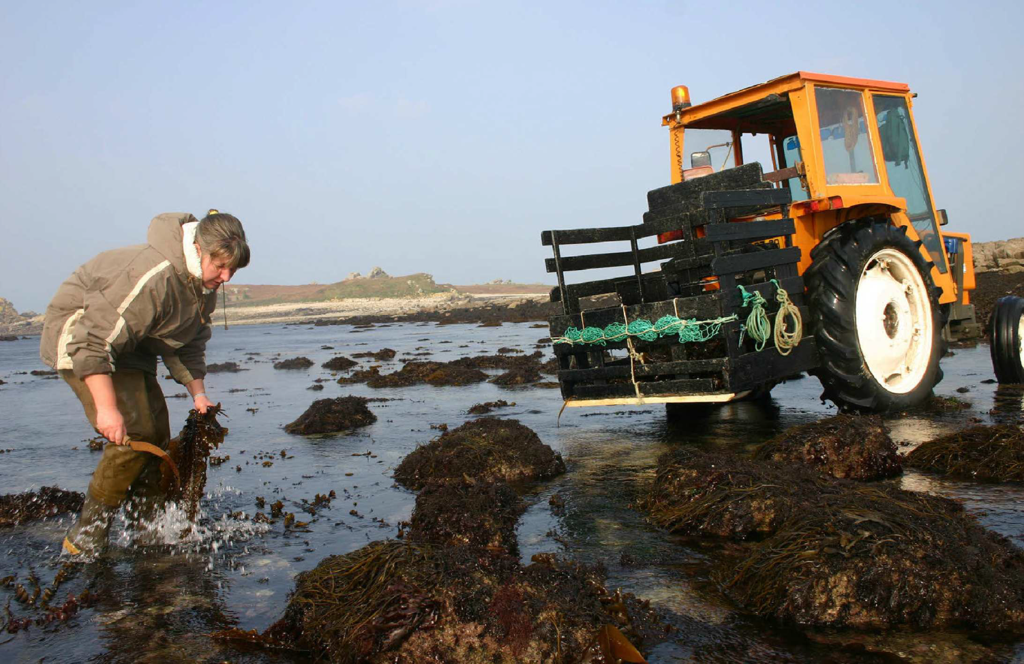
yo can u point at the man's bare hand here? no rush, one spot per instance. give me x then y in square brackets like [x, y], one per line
[202, 404]
[110, 425]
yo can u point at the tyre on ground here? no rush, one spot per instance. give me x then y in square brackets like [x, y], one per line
[1006, 337]
[876, 317]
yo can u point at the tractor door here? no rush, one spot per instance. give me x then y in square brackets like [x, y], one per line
[905, 171]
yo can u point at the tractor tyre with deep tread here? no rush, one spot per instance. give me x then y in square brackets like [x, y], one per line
[1006, 336]
[875, 316]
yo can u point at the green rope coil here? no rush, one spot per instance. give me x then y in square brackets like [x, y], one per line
[757, 325]
[687, 330]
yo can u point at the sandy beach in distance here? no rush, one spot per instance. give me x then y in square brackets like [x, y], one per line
[293, 312]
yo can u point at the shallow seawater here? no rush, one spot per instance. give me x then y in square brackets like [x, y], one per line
[159, 603]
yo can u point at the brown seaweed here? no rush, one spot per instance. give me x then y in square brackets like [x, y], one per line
[191, 450]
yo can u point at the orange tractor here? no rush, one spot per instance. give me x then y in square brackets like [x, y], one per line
[831, 263]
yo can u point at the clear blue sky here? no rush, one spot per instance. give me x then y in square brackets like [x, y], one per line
[438, 136]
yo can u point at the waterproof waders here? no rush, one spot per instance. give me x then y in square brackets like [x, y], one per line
[122, 472]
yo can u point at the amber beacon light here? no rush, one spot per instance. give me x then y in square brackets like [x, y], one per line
[680, 97]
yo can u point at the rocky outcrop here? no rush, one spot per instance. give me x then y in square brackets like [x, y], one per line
[1002, 256]
[13, 323]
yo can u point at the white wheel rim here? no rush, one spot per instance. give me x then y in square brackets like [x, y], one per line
[894, 321]
[1020, 339]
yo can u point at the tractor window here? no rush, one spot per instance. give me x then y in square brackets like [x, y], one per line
[790, 157]
[903, 168]
[845, 146]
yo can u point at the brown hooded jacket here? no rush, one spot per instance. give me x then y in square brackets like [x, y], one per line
[127, 306]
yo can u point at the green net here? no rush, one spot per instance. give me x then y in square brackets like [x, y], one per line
[686, 329]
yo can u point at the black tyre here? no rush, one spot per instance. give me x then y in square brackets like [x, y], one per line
[1006, 335]
[876, 317]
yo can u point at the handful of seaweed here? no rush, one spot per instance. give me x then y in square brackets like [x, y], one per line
[190, 451]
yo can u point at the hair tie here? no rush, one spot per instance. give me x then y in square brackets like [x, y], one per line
[212, 212]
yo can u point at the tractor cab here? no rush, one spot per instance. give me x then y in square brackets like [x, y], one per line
[843, 147]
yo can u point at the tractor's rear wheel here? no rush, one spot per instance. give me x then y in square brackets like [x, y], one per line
[877, 320]
[1007, 339]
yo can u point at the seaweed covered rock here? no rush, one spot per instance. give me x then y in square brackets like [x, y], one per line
[432, 373]
[983, 453]
[855, 447]
[333, 415]
[294, 363]
[488, 406]
[407, 603]
[339, 363]
[17, 508]
[519, 375]
[481, 514]
[726, 496]
[224, 367]
[381, 355]
[832, 552]
[874, 557]
[487, 449]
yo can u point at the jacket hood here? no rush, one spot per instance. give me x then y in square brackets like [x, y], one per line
[165, 235]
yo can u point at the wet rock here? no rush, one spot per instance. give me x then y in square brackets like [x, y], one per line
[333, 415]
[316, 387]
[402, 602]
[831, 552]
[433, 373]
[487, 449]
[846, 446]
[488, 406]
[521, 375]
[726, 496]
[381, 355]
[294, 363]
[984, 453]
[480, 514]
[360, 376]
[224, 367]
[43, 372]
[875, 557]
[18, 508]
[339, 363]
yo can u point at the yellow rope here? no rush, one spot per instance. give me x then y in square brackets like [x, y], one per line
[785, 339]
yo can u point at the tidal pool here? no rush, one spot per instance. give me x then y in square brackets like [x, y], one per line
[159, 603]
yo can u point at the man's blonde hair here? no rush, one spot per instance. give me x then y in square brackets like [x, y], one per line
[220, 235]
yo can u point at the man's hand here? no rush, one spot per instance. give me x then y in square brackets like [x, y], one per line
[110, 424]
[202, 404]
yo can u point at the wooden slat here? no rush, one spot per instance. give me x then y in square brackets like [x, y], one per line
[681, 387]
[741, 177]
[750, 230]
[615, 258]
[587, 235]
[713, 200]
[794, 287]
[599, 287]
[646, 370]
[754, 260]
[754, 369]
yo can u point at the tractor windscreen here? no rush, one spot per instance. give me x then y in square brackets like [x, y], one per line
[903, 168]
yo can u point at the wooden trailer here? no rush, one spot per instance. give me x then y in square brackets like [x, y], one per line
[681, 330]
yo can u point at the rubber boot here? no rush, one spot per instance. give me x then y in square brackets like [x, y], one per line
[88, 537]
